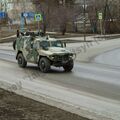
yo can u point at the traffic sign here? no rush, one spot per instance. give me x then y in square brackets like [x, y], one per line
[2, 15]
[31, 14]
[28, 14]
[38, 17]
[100, 16]
[22, 23]
[25, 14]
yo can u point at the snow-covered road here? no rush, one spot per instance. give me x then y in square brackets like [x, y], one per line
[111, 58]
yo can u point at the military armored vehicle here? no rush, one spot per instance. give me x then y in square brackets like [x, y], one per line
[43, 51]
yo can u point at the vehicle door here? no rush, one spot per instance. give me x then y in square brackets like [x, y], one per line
[30, 51]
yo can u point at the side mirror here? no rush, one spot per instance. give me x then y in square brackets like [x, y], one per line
[64, 44]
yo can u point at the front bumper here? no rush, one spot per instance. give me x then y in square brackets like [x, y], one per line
[60, 63]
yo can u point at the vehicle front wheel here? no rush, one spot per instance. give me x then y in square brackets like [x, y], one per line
[21, 60]
[68, 66]
[44, 64]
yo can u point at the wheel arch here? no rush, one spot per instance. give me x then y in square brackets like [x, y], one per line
[40, 56]
[18, 53]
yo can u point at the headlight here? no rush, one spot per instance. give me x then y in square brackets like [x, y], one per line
[51, 57]
[73, 55]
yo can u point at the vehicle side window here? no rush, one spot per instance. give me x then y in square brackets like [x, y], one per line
[27, 44]
[44, 44]
[36, 45]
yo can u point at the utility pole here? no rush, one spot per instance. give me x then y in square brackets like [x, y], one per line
[84, 7]
[107, 17]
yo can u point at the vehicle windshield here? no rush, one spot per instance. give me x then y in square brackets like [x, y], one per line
[56, 44]
[47, 44]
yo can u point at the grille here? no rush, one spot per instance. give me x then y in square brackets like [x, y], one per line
[62, 58]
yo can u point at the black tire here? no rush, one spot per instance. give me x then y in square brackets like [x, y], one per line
[69, 66]
[14, 44]
[21, 60]
[44, 64]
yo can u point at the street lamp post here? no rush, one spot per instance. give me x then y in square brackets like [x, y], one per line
[84, 7]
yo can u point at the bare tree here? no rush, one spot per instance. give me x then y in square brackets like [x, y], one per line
[55, 13]
[110, 15]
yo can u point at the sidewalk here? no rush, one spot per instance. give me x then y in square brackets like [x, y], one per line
[68, 37]
[6, 33]
[6, 36]
[91, 38]
[80, 37]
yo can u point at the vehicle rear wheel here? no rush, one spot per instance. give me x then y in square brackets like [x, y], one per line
[21, 60]
[69, 66]
[44, 64]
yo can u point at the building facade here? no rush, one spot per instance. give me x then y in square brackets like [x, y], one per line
[14, 8]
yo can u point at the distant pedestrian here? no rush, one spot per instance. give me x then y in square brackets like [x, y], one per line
[18, 33]
[14, 42]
